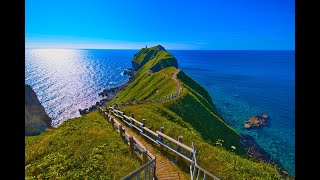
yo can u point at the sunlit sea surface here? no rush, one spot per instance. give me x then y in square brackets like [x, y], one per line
[241, 84]
[68, 80]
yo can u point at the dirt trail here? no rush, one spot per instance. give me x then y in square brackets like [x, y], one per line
[174, 77]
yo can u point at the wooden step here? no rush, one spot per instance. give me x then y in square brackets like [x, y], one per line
[169, 176]
[162, 166]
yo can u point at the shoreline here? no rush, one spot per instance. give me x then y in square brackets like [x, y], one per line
[109, 93]
[256, 153]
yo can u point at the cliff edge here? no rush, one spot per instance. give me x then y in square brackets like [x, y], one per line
[36, 119]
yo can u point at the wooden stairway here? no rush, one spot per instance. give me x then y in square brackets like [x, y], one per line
[163, 172]
[165, 169]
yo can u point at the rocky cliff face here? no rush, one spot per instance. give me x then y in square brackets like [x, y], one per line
[36, 119]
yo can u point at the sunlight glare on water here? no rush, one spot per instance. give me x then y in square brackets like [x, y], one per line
[66, 80]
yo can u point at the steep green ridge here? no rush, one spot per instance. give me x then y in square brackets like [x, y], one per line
[160, 57]
[196, 89]
[194, 105]
[192, 115]
[155, 85]
[80, 148]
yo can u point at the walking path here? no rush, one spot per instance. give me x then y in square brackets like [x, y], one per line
[174, 77]
[165, 169]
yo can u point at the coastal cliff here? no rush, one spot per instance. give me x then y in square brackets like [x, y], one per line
[36, 119]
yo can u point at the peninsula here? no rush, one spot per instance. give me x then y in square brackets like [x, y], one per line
[162, 95]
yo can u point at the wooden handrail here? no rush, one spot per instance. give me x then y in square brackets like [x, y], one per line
[150, 131]
[127, 117]
[175, 141]
[203, 170]
[138, 122]
[151, 155]
[137, 128]
[138, 143]
[126, 135]
[116, 122]
[157, 134]
[178, 153]
[137, 171]
[150, 138]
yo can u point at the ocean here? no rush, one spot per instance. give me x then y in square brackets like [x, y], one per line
[241, 83]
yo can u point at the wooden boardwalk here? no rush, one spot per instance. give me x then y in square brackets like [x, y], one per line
[165, 169]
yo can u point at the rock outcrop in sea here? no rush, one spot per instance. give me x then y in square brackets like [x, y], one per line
[36, 118]
[256, 121]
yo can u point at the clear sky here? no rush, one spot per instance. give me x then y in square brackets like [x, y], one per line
[175, 24]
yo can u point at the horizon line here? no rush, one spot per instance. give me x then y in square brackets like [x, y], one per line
[165, 49]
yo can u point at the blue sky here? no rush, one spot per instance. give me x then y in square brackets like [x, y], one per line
[175, 24]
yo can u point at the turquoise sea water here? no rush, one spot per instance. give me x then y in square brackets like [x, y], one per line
[241, 84]
[246, 83]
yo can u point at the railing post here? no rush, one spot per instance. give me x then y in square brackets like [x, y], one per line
[162, 131]
[112, 122]
[144, 157]
[120, 130]
[178, 159]
[154, 168]
[143, 125]
[131, 145]
[131, 121]
[161, 138]
[123, 114]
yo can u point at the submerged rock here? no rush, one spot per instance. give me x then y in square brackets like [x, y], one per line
[256, 121]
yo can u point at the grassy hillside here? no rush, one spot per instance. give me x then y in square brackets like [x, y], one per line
[80, 148]
[192, 115]
[162, 58]
[146, 86]
[214, 158]
[194, 106]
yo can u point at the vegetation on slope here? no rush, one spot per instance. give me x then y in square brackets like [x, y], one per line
[214, 158]
[146, 86]
[162, 57]
[80, 148]
[192, 115]
[194, 105]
